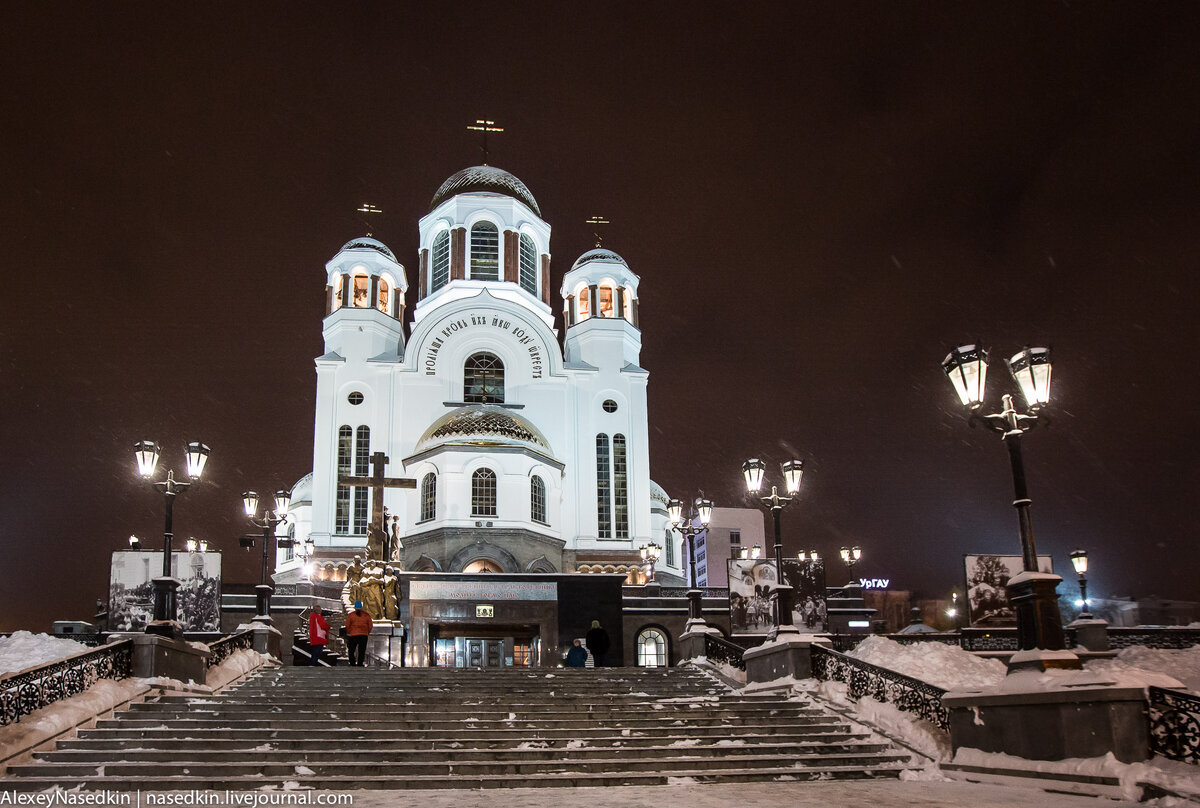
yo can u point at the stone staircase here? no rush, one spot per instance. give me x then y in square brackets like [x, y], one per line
[355, 728]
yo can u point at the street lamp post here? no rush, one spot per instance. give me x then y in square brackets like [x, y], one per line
[269, 521]
[683, 525]
[1031, 593]
[1079, 561]
[147, 452]
[850, 557]
[754, 470]
[650, 553]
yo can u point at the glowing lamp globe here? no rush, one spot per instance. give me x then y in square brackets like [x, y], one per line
[1031, 369]
[966, 367]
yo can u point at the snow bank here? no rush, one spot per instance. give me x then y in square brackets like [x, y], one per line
[1140, 666]
[23, 650]
[907, 728]
[946, 666]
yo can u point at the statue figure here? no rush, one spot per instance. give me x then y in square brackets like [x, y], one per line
[391, 595]
[376, 541]
[371, 591]
[397, 547]
[354, 575]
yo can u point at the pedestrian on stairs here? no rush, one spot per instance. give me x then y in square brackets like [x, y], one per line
[318, 634]
[577, 656]
[598, 643]
[358, 628]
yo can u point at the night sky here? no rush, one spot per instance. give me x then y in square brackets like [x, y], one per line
[820, 200]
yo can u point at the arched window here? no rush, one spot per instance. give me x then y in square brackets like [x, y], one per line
[439, 273]
[428, 497]
[362, 468]
[336, 284]
[603, 489]
[483, 565]
[345, 450]
[485, 252]
[620, 488]
[360, 292]
[529, 281]
[483, 493]
[651, 648]
[383, 295]
[537, 499]
[583, 307]
[483, 379]
[605, 302]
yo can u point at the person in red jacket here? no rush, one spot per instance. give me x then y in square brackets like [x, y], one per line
[358, 628]
[318, 634]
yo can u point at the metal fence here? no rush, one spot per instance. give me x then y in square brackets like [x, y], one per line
[1157, 637]
[223, 648]
[719, 649]
[1175, 724]
[22, 693]
[864, 679]
[681, 592]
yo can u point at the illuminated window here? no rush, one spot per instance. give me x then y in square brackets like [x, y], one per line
[528, 265]
[428, 497]
[362, 468]
[345, 447]
[669, 543]
[537, 499]
[483, 379]
[383, 295]
[604, 302]
[603, 489]
[483, 493]
[485, 252]
[439, 274]
[651, 648]
[583, 307]
[483, 565]
[337, 292]
[361, 291]
[620, 488]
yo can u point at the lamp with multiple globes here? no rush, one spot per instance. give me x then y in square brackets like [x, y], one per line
[754, 470]
[1079, 560]
[147, 453]
[1031, 593]
[850, 557]
[650, 555]
[270, 520]
[686, 527]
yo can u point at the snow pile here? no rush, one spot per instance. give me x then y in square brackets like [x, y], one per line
[1140, 666]
[905, 727]
[46, 723]
[23, 650]
[941, 665]
[1171, 775]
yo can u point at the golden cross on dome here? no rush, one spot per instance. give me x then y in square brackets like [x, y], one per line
[595, 222]
[367, 209]
[484, 127]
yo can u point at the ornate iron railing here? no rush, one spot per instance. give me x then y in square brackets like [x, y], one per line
[1165, 637]
[864, 679]
[22, 693]
[705, 591]
[720, 649]
[223, 648]
[1175, 724]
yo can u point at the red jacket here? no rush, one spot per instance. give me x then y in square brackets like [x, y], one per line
[358, 624]
[318, 629]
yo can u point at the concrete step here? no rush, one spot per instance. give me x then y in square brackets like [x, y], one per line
[319, 723]
[466, 711]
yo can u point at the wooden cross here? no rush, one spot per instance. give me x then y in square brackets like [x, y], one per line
[377, 482]
[485, 127]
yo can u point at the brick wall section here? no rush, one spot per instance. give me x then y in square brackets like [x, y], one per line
[546, 279]
[458, 253]
[510, 256]
[422, 278]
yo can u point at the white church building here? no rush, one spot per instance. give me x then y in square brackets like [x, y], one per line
[525, 453]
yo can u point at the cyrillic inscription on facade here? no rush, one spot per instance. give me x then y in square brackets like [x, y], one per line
[524, 337]
[482, 590]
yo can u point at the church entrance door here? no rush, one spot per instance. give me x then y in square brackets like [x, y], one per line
[462, 647]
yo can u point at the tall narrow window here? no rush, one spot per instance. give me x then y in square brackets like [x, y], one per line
[428, 497]
[651, 648]
[383, 295]
[603, 489]
[620, 488]
[362, 468]
[345, 448]
[604, 301]
[361, 291]
[669, 543]
[485, 252]
[537, 499]
[528, 265]
[439, 274]
[483, 493]
[337, 292]
[483, 379]
[582, 299]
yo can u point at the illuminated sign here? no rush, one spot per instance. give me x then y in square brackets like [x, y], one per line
[482, 590]
[874, 583]
[485, 610]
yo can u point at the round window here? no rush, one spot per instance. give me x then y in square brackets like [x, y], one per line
[355, 398]
[609, 405]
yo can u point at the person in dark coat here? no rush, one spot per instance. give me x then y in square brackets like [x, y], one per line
[577, 656]
[318, 634]
[598, 643]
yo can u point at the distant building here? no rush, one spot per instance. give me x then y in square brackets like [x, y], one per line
[729, 528]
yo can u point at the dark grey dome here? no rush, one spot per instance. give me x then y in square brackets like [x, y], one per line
[599, 254]
[365, 243]
[488, 180]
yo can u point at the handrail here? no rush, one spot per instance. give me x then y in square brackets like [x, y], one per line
[720, 649]
[25, 691]
[224, 648]
[681, 592]
[864, 679]
[1175, 724]
[1176, 637]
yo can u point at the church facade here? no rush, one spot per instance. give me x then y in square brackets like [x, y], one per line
[511, 449]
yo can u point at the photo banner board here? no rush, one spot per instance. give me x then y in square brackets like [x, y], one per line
[751, 582]
[807, 580]
[986, 576]
[131, 589]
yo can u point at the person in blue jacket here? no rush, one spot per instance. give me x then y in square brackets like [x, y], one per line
[577, 656]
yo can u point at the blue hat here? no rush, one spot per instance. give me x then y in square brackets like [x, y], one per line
[358, 604]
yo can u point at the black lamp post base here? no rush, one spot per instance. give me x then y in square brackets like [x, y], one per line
[695, 612]
[1040, 640]
[164, 602]
[784, 623]
[262, 606]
